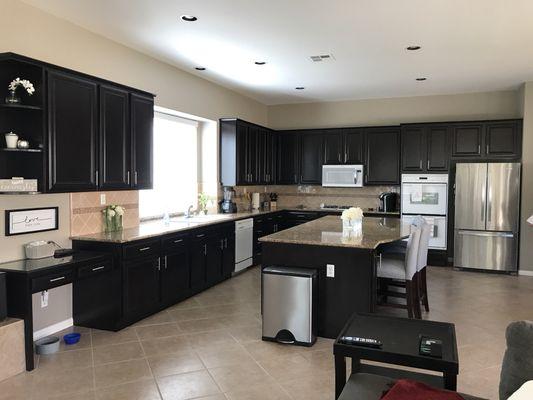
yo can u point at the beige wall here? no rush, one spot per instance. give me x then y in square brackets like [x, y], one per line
[36, 34]
[526, 238]
[11, 246]
[461, 107]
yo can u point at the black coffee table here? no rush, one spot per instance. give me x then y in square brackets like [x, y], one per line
[400, 338]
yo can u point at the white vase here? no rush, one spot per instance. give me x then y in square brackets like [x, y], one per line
[355, 225]
[11, 140]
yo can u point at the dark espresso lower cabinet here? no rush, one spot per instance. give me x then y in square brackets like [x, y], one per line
[141, 286]
[175, 271]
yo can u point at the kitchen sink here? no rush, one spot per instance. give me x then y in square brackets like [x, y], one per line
[201, 218]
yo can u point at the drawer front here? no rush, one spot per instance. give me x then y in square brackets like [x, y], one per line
[175, 242]
[52, 280]
[141, 249]
[95, 268]
[307, 216]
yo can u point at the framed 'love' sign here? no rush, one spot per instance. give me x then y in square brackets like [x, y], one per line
[30, 220]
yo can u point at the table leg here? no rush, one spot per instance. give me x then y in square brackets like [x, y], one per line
[450, 381]
[340, 375]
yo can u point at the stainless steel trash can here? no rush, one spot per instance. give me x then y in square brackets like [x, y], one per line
[288, 303]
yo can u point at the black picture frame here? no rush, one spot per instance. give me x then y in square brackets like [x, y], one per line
[9, 230]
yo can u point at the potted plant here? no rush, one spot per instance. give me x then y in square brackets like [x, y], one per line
[203, 200]
[16, 83]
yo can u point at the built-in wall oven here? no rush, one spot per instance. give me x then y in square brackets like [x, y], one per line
[427, 195]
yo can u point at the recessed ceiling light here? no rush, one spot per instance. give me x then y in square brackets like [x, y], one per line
[413, 48]
[421, 79]
[189, 18]
[299, 88]
[199, 68]
[260, 62]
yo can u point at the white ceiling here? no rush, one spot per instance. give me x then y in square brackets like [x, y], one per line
[467, 45]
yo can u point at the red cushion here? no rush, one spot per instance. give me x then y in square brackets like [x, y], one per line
[405, 389]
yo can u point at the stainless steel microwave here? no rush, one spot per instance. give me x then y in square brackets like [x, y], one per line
[342, 175]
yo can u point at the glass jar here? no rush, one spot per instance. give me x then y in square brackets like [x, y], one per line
[12, 98]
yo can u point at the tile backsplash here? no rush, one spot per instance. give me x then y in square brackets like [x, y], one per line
[311, 196]
[86, 210]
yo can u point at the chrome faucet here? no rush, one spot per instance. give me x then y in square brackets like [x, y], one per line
[188, 213]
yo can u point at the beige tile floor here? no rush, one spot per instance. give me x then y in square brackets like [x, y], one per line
[208, 347]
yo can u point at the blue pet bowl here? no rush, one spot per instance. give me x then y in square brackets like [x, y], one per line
[72, 338]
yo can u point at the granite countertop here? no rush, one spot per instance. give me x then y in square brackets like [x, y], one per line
[328, 231]
[155, 228]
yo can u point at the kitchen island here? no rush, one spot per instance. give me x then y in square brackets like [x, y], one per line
[322, 243]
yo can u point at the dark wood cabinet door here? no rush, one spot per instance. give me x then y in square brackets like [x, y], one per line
[228, 254]
[413, 140]
[382, 156]
[311, 156]
[142, 121]
[353, 146]
[288, 159]
[175, 277]
[333, 149]
[73, 131]
[141, 286]
[467, 140]
[261, 150]
[270, 157]
[254, 165]
[215, 247]
[503, 139]
[198, 264]
[438, 149]
[242, 154]
[115, 138]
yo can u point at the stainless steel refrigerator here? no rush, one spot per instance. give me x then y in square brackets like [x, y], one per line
[487, 209]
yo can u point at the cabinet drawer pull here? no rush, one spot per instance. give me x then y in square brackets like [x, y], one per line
[178, 240]
[199, 236]
[144, 248]
[205, 249]
[98, 268]
[166, 262]
[57, 279]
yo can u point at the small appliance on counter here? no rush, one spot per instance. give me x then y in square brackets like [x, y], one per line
[388, 202]
[256, 201]
[273, 201]
[227, 205]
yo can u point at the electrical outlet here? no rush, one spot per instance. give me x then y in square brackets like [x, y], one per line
[330, 271]
[44, 298]
[102, 199]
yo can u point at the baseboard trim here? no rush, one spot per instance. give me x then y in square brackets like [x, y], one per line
[49, 330]
[525, 273]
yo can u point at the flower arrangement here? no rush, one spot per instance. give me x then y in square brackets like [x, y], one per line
[113, 217]
[26, 84]
[352, 219]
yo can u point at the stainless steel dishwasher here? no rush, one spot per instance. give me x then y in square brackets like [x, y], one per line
[289, 305]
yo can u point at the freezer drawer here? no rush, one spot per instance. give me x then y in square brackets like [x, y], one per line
[485, 250]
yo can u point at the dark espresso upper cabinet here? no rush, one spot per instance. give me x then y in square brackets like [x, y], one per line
[311, 157]
[333, 149]
[266, 151]
[72, 133]
[353, 146]
[487, 140]
[288, 158]
[142, 120]
[467, 140]
[503, 139]
[382, 156]
[425, 148]
[115, 138]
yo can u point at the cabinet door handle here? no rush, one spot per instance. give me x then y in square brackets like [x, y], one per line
[487, 149]
[178, 240]
[205, 249]
[420, 164]
[166, 262]
[96, 177]
[98, 268]
[57, 279]
[479, 149]
[135, 175]
[158, 263]
[226, 243]
[221, 244]
[144, 248]
[427, 165]
[129, 183]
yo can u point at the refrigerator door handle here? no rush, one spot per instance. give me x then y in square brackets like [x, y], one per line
[487, 234]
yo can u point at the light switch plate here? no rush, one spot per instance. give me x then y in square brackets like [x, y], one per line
[330, 270]
[44, 298]
[102, 199]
